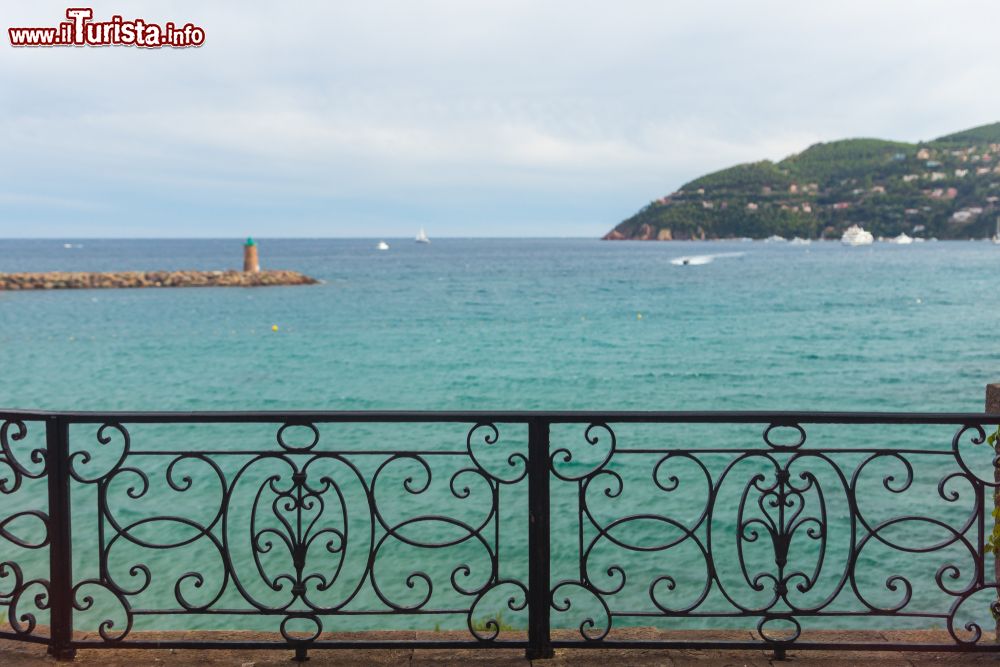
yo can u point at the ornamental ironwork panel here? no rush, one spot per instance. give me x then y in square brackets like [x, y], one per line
[24, 530]
[528, 530]
[300, 532]
[778, 533]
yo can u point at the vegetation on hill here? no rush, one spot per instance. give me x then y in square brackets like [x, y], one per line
[946, 188]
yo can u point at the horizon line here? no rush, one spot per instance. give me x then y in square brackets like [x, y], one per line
[271, 238]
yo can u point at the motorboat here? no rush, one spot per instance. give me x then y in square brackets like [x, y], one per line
[382, 245]
[856, 235]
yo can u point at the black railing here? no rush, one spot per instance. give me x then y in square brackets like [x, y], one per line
[530, 530]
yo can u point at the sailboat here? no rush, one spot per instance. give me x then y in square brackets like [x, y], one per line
[996, 237]
[422, 237]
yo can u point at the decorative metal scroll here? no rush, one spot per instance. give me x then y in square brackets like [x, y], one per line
[24, 532]
[300, 532]
[778, 534]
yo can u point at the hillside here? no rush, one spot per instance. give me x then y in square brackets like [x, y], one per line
[946, 188]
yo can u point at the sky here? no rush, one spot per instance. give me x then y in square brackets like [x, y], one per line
[468, 117]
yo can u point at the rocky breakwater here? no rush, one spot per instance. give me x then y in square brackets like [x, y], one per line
[135, 279]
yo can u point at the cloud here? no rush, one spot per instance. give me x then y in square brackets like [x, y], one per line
[479, 116]
[14, 199]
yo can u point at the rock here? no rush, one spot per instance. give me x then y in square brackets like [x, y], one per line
[135, 279]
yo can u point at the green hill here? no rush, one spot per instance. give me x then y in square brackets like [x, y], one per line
[982, 134]
[946, 188]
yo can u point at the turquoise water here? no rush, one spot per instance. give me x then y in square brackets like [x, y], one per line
[511, 324]
[506, 324]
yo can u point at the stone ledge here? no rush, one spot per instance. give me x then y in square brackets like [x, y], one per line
[13, 654]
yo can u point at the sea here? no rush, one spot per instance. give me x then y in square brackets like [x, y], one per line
[501, 324]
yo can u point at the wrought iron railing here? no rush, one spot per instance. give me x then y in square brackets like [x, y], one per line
[530, 530]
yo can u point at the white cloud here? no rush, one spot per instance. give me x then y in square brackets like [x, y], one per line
[522, 106]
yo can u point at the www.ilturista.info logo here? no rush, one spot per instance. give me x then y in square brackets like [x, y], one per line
[80, 30]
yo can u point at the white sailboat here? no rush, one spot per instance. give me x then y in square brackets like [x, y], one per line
[422, 236]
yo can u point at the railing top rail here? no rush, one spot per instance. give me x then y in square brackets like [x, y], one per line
[515, 416]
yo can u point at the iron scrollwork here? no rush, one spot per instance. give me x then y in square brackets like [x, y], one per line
[301, 532]
[762, 535]
[23, 531]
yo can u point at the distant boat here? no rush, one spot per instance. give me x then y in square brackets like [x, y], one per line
[422, 236]
[902, 239]
[800, 241]
[856, 235]
[996, 237]
[382, 245]
[775, 239]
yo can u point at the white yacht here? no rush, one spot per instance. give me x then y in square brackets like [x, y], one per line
[800, 241]
[422, 236]
[382, 245]
[775, 239]
[856, 235]
[902, 239]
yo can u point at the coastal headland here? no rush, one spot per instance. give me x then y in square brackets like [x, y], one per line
[948, 188]
[138, 279]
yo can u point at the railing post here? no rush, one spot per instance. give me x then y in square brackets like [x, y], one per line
[60, 540]
[539, 586]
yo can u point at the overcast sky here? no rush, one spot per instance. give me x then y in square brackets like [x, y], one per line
[471, 118]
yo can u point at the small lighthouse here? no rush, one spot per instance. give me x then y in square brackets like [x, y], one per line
[251, 261]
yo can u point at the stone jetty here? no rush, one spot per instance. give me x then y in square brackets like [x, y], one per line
[134, 279]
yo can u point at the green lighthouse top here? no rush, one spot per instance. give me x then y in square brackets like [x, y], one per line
[250, 241]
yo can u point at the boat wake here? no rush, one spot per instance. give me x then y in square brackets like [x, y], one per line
[695, 260]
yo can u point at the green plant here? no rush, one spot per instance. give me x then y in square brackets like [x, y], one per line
[483, 624]
[993, 543]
